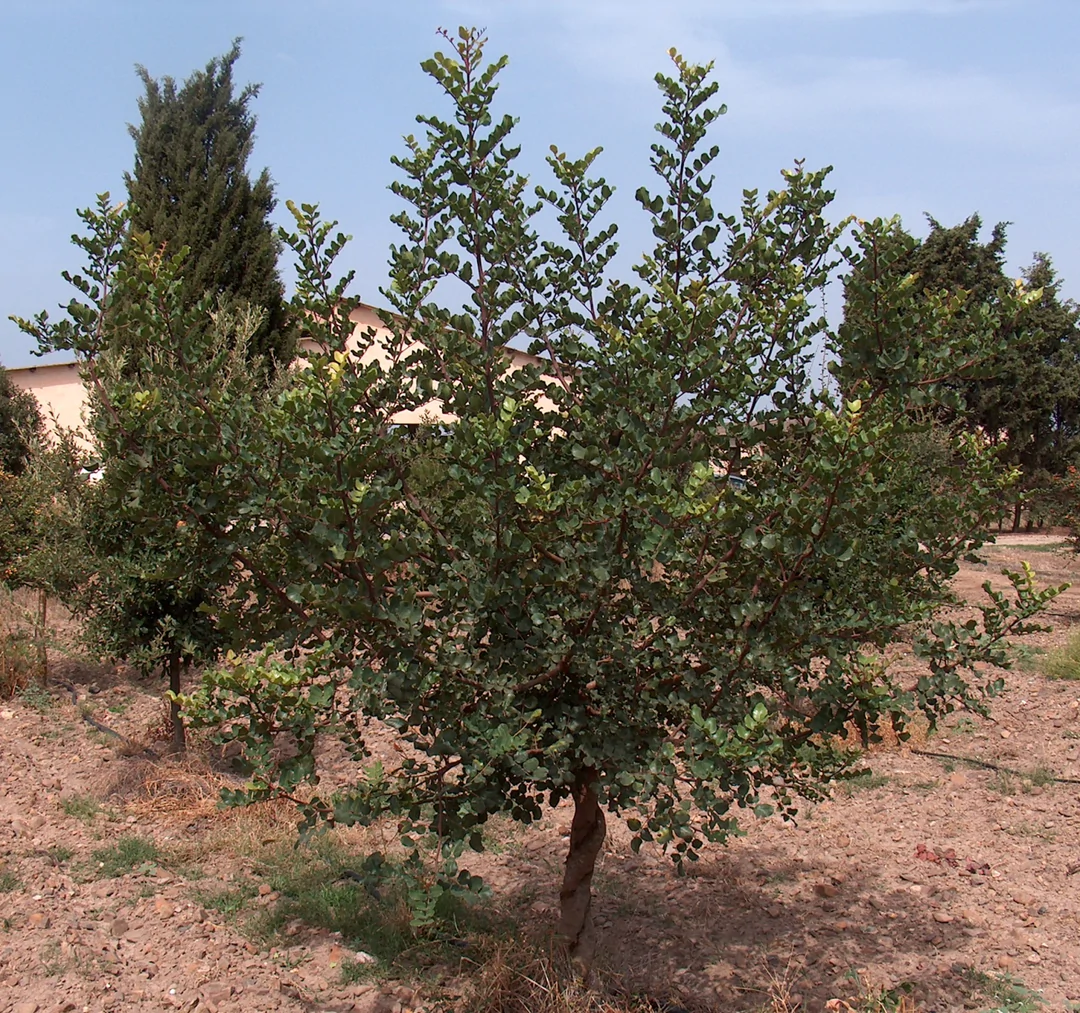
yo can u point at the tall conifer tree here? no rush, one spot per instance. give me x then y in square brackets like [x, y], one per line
[191, 188]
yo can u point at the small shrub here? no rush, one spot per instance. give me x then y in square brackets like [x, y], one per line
[9, 882]
[126, 854]
[36, 697]
[16, 662]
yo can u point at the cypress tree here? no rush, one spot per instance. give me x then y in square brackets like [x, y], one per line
[191, 188]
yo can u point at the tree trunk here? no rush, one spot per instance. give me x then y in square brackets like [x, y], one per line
[179, 741]
[42, 646]
[1016, 515]
[587, 834]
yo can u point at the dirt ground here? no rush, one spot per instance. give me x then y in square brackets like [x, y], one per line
[929, 873]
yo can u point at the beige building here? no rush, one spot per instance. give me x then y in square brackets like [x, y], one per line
[365, 318]
[59, 390]
[61, 394]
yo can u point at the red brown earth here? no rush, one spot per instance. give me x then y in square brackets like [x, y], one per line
[931, 873]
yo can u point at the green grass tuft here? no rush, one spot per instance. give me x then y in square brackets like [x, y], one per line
[228, 902]
[126, 854]
[81, 807]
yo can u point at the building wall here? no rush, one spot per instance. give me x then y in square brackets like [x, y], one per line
[366, 317]
[59, 390]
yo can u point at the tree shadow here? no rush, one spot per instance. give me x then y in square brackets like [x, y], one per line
[756, 923]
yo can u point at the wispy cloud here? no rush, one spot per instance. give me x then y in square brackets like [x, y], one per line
[623, 40]
[746, 9]
[966, 107]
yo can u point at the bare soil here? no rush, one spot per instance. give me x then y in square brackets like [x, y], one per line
[929, 874]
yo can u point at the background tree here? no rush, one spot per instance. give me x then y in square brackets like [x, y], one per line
[145, 591]
[20, 425]
[41, 543]
[190, 189]
[584, 608]
[144, 597]
[1023, 397]
[1036, 399]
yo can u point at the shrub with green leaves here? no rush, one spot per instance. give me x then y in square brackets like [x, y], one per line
[581, 605]
[21, 425]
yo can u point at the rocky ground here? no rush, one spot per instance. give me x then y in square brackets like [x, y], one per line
[122, 887]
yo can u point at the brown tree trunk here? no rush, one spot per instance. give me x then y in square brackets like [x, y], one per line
[1016, 516]
[179, 740]
[587, 834]
[42, 646]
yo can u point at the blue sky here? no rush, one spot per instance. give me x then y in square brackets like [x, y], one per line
[941, 106]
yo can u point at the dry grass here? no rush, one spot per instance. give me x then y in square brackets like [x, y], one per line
[515, 978]
[1064, 662]
[170, 790]
[245, 832]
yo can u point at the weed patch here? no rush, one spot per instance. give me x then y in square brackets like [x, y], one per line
[863, 780]
[36, 697]
[366, 900]
[1004, 992]
[228, 902]
[925, 787]
[516, 978]
[52, 960]
[81, 807]
[1064, 662]
[870, 999]
[9, 882]
[1041, 776]
[125, 855]
[1026, 657]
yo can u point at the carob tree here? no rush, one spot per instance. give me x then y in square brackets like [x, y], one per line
[647, 568]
